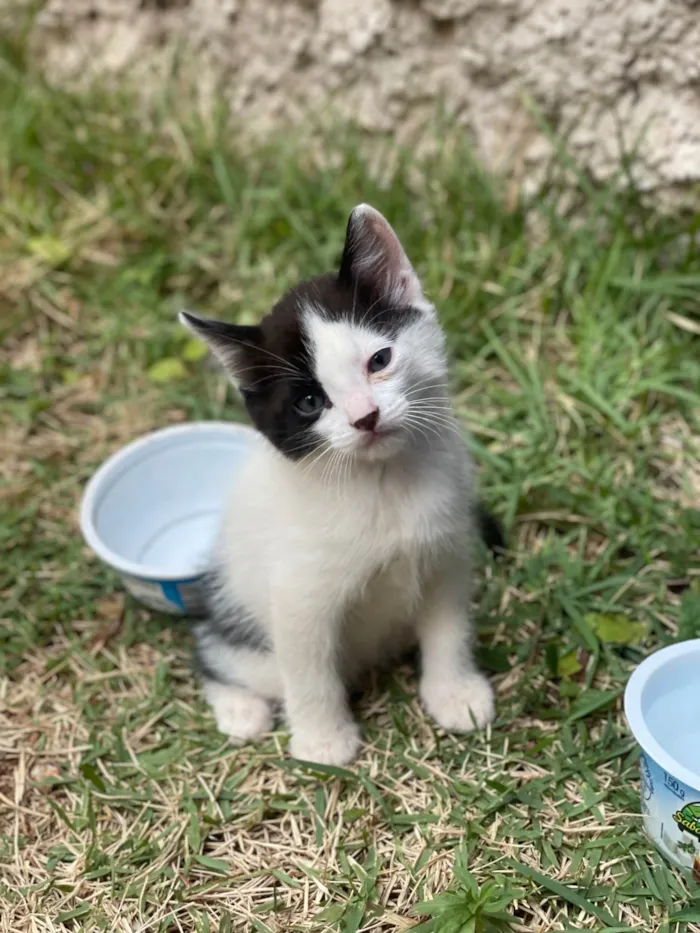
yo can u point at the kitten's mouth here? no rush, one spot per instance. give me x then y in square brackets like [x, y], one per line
[381, 434]
[380, 445]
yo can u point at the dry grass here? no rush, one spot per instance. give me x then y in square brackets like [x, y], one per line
[150, 821]
[577, 372]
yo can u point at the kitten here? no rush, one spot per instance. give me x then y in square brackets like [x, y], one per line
[349, 530]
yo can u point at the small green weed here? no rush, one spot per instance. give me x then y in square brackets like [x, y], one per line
[469, 908]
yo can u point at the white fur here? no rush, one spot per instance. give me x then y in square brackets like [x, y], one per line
[239, 713]
[356, 551]
[416, 372]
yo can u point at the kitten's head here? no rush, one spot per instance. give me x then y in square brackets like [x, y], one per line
[352, 362]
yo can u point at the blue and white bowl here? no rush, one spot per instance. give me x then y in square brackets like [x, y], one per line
[151, 510]
[662, 705]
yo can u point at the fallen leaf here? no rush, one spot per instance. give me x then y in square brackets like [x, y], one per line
[194, 350]
[49, 249]
[70, 377]
[616, 629]
[167, 370]
[568, 665]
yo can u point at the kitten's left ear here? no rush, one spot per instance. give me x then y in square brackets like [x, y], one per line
[374, 258]
[234, 345]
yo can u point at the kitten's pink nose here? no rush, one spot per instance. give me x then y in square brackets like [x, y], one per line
[368, 422]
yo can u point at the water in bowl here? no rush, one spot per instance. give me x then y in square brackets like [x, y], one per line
[673, 718]
[159, 508]
[184, 542]
[686, 750]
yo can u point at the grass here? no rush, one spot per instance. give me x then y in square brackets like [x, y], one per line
[573, 326]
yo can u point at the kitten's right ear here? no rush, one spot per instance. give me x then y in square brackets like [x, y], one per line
[231, 344]
[374, 257]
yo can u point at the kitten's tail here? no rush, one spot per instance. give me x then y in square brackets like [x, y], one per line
[490, 529]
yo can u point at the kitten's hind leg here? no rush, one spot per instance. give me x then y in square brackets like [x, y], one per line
[239, 713]
[240, 676]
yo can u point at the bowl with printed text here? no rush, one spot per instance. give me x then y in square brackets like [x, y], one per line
[662, 705]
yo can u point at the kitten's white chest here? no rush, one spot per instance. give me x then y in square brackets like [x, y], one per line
[396, 536]
[380, 623]
[402, 518]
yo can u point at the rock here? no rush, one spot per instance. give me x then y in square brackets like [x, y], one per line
[611, 71]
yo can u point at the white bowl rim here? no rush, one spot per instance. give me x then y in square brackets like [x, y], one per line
[92, 490]
[635, 717]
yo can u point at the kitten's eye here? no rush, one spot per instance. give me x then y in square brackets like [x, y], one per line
[311, 403]
[380, 360]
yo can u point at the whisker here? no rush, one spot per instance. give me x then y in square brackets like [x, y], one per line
[347, 468]
[320, 454]
[338, 468]
[374, 304]
[435, 428]
[438, 404]
[431, 410]
[302, 430]
[411, 425]
[421, 395]
[426, 385]
[272, 377]
[433, 421]
[302, 446]
[265, 367]
[433, 413]
[274, 356]
[328, 466]
[431, 399]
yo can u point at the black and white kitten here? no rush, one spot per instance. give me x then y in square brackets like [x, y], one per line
[349, 530]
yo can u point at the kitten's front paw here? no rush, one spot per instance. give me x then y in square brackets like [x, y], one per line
[327, 745]
[459, 704]
[240, 714]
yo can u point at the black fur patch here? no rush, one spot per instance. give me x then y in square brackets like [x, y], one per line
[231, 624]
[202, 666]
[224, 626]
[272, 365]
[356, 302]
[491, 530]
[274, 375]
